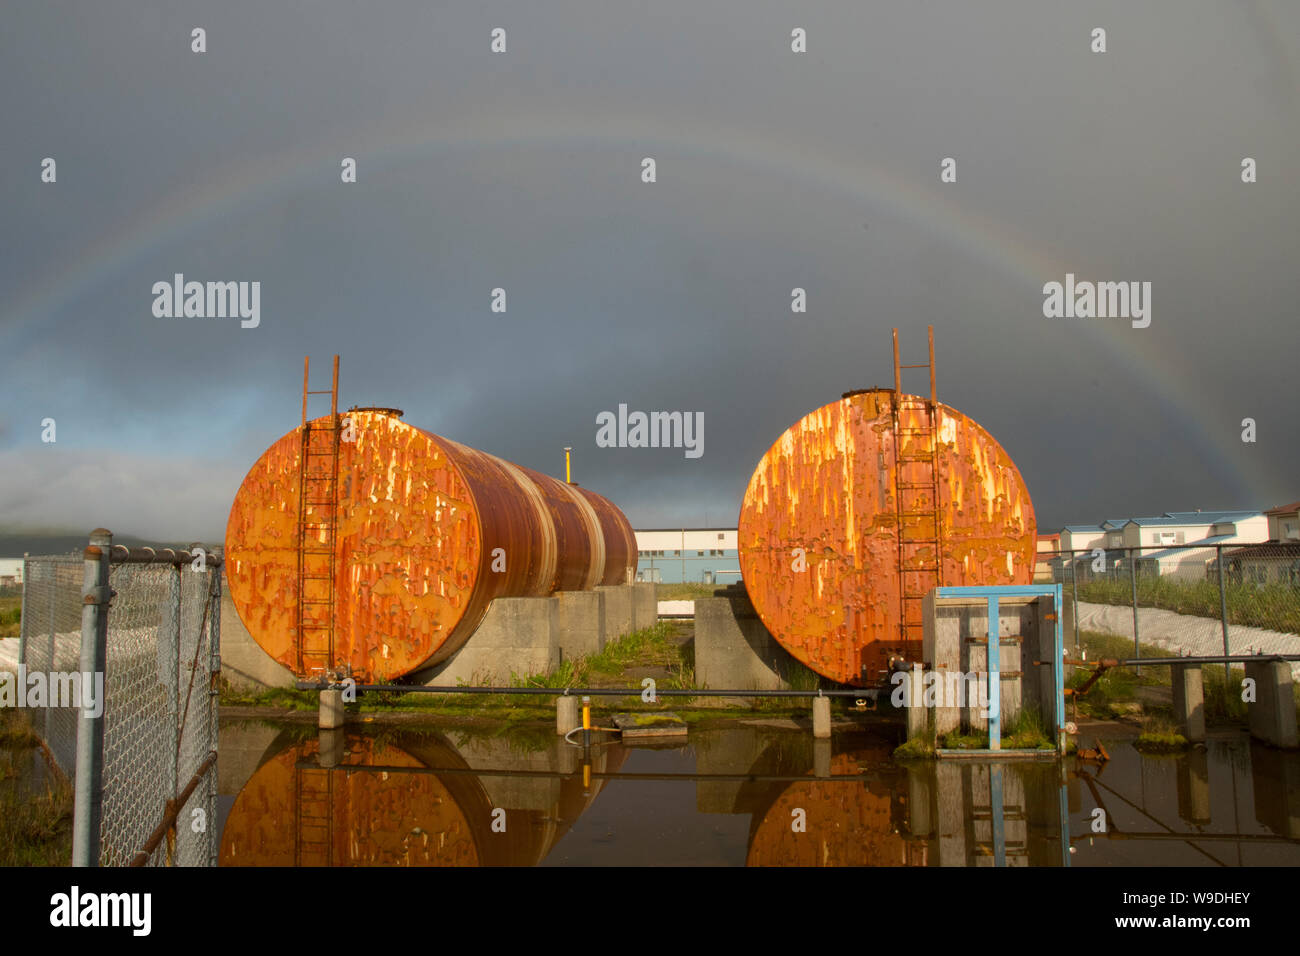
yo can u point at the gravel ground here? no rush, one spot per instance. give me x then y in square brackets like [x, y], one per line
[1182, 632]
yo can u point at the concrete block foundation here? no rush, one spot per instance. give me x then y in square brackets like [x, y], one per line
[1189, 701]
[567, 715]
[1272, 715]
[580, 623]
[821, 713]
[733, 650]
[530, 635]
[331, 710]
[618, 610]
[518, 636]
[645, 605]
[244, 665]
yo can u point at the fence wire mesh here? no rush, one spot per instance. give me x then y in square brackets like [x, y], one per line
[1180, 603]
[159, 716]
[50, 641]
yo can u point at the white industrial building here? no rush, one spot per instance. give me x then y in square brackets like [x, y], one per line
[11, 572]
[697, 555]
[1177, 543]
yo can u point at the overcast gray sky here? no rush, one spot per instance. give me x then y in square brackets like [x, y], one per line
[522, 170]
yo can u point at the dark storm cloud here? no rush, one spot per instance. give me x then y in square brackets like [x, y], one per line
[522, 171]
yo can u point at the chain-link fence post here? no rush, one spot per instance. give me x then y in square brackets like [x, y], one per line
[214, 692]
[1223, 616]
[22, 615]
[88, 794]
[1074, 597]
[1132, 574]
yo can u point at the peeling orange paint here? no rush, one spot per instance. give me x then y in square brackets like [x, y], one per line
[828, 486]
[419, 523]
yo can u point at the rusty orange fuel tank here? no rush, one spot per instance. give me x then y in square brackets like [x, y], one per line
[404, 539]
[860, 509]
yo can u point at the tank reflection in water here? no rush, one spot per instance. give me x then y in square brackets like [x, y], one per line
[346, 799]
[740, 795]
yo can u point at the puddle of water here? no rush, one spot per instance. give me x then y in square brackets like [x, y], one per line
[737, 796]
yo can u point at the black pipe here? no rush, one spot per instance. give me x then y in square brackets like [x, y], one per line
[590, 691]
[561, 775]
[1219, 659]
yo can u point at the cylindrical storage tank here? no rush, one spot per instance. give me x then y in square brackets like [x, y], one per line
[416, 535]
[821, 553]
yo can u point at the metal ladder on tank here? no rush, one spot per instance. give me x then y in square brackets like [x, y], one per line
[317, 491]
[916, 499]
[313, 816]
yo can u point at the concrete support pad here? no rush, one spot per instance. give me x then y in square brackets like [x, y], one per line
[731, 750]
[331, 710]
[567, 716]
[580, 623]
[1194, 787]
[821, 716]
[822, 757]
[518, 636]
[645, 605]
[1277, 806]
[1272, 715]
[618, 610]
[733, 650]
[918, 716]
[332, 743]
[244, 665]
[1189, 701]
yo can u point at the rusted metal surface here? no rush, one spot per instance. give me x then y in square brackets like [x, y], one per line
[843, 823]
[425, 532]
[413, 803]
[859, 509]
[291, 813]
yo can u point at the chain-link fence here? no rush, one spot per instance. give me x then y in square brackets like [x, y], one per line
[1218, 599]
[50, 642]
[145, 763]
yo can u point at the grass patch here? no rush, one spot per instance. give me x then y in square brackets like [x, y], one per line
[1158, 742]
[11, 616]
[1160, 735]
[1223, 703]
[1118, 687]
[1026, 732]
[1272, 606]
[650, 647]
[685, 592]
[801, 677]
[36, 829]
[281, 698]
[15, 732]
[920, 747]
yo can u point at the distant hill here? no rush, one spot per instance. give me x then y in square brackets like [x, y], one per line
[16, 544]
